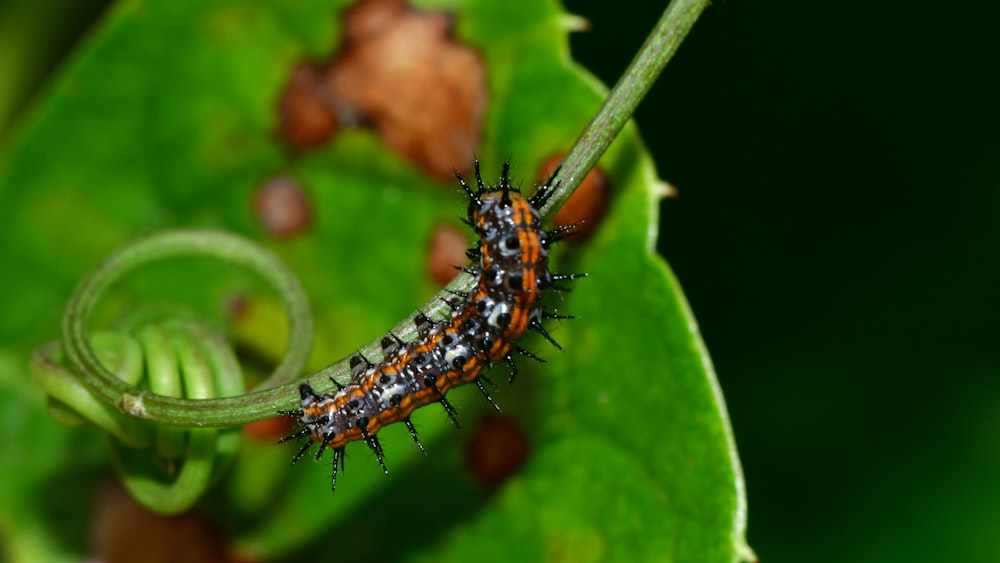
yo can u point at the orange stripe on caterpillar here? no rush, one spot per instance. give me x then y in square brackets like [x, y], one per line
[512, 277]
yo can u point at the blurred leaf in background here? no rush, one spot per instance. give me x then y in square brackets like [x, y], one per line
[166, 116]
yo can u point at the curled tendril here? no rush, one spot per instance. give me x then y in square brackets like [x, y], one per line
[205, 367]
[165, 468]
[117, 379]
[160, 408]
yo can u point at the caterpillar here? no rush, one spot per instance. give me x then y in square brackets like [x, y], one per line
[510, 263]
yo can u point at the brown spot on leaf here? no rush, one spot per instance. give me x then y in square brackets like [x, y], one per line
[400, 72]
[423, 93]
[588, 204]
[122, 530]
[306, 116]
[497, 449]
[281, 207]
[446, 250]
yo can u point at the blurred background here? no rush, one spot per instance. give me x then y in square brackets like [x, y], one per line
[838, 169]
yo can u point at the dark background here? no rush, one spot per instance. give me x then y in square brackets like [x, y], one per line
[838, 167]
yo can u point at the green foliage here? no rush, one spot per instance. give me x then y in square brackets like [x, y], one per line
[165, 117]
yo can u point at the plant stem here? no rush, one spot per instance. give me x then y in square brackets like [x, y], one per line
[659, 48]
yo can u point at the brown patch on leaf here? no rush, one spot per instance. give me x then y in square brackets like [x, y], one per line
[401, 73]
[281, 207]
[122, 530]
[446, 250]
[422, 92]
[497, 449]
[306, 117]
[588, 204]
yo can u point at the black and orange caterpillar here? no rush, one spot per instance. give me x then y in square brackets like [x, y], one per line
[511, 263]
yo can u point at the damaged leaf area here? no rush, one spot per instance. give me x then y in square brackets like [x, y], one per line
[400, 72]
[328, 131]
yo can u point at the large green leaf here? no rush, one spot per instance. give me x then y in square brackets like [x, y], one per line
[165, 118]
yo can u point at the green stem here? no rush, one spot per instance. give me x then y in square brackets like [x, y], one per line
[675, 23]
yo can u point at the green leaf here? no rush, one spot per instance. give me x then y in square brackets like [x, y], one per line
[165, 118]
